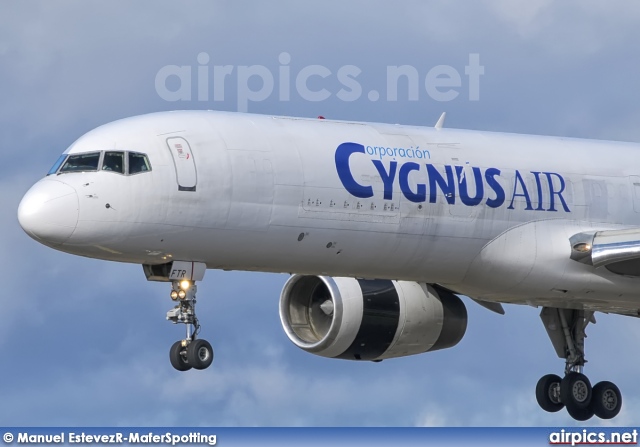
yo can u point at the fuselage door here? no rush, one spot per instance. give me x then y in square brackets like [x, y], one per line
[185, 165]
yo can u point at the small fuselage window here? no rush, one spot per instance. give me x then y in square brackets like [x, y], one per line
[138, 163]
[81, 162]
[113, 162]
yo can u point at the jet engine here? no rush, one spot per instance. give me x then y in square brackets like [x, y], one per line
[359, 319]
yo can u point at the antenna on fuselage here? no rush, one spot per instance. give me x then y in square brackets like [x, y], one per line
[440, 122]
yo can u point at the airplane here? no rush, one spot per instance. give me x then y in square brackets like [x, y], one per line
[381, 226]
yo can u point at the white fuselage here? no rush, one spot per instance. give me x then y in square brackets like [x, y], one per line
[485, 214]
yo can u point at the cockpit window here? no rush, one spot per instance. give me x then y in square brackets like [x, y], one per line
[57, 164]
[81, 162]
[138, 163]
[113, 162]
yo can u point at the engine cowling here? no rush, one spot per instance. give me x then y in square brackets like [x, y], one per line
[359, 319]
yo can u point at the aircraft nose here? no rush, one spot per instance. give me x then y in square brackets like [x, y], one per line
[48, 212]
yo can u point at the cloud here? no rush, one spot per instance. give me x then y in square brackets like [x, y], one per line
[581, 28]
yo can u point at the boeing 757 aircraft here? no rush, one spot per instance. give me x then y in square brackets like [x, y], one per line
[381, 226]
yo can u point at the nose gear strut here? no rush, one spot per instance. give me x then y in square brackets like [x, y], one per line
[191, 352]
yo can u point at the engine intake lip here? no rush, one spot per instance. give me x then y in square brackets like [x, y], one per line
[297, 314]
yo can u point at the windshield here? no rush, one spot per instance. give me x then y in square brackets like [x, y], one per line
[57, 164]
[114, 162]
[110, 161]
[138, 163]
[81, 162]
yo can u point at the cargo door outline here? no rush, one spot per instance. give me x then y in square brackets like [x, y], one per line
[184, 163]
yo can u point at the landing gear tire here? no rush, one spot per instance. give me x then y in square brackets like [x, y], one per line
[199, 354]
[575, 392]
[548, 393]
[580, 414]
[606, 400]
[178, 357]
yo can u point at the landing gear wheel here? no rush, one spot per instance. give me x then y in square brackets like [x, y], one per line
[607, 400]
[575, 391]
[580, 414]
[200, 354]
[178, 359]
[548, 393]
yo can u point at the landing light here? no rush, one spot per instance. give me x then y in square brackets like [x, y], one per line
[182, 294]
[174, 295]
[184, 285]
[582, 247]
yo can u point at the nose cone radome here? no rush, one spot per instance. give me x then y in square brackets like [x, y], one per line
[48, 212]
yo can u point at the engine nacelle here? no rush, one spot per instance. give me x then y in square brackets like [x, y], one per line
[359, 319]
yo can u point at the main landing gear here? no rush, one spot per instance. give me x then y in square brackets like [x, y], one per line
[566, 329]
[192, 352]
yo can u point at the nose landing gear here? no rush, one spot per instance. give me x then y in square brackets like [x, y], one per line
[192, 352]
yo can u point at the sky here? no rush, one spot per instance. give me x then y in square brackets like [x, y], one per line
[85, 342]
